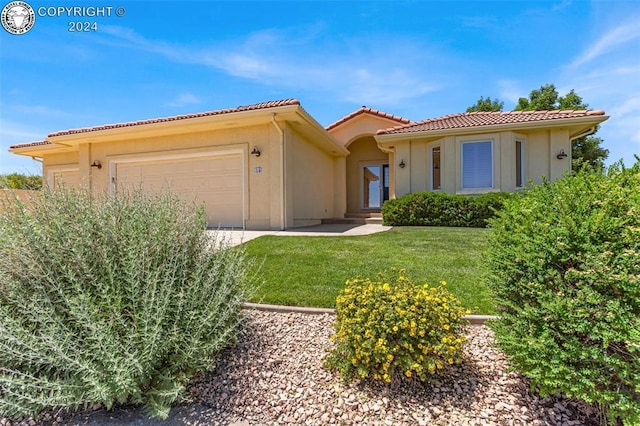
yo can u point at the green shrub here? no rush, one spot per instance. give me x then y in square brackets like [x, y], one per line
[20, 181]
[393, 326]
[110, 300]
[440, 209]
[564, 266]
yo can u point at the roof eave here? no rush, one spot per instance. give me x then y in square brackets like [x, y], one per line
[328, 142]
[360, 113]
[589, 121]
[172, 127]
[39, 150]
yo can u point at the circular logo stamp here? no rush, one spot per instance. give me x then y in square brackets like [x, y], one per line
[18, 17]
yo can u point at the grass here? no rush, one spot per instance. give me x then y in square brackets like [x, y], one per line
[311, 271]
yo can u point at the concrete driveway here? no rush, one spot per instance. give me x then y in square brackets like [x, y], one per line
[240, 236]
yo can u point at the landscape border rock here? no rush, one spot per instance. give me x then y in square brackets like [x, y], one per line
[473, 319]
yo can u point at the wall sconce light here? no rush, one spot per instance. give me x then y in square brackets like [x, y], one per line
[255, 151]
[401, 165]
[561, 155]
[97, 164]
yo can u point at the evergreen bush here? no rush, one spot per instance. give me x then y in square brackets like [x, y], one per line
[441, 209]
[564, 264]
[393, 327]
[110, 299]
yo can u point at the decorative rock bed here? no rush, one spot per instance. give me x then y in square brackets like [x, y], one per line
[274, 375]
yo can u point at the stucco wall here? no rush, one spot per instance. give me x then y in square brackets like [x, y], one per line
[541, 149]
[312, 179]
[309, 173]
[361, 125]
[363, 150]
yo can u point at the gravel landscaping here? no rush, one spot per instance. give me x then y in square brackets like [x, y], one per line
[274, 375]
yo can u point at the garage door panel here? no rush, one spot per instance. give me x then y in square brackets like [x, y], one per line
[214, 181]
[68, 178]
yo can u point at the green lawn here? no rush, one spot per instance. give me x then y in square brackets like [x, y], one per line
[310, 271]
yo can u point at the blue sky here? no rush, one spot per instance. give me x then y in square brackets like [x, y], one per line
[417, 59]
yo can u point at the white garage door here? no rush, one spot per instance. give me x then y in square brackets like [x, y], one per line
[66, 177]
[215, 181]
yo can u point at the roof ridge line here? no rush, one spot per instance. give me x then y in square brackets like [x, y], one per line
[365, 109]
[241, 108]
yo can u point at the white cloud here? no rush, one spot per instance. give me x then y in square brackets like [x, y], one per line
[41, 110]
[510, 91]
[184, 99]
[606, 74]
[613, 39]
[372, 70]
[13, 133]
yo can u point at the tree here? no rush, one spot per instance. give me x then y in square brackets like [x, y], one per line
[584, 150]
[486, 105]
[19, 181]
[545, 98]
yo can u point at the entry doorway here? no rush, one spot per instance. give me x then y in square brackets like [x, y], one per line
[374, 183]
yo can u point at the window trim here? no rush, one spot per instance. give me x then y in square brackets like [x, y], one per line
[431, 166]
[522, 176]
[492, 166]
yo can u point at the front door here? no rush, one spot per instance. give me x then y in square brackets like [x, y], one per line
[375, 185]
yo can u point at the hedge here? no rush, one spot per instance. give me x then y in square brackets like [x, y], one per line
[440, 209]
[564, 265]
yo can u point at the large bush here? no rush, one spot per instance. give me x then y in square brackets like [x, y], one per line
[393, 327]
[110, 300]
[19, 181]
[440, 209]
[564, 263]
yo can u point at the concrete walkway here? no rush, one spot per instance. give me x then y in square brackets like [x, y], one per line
[236, 237]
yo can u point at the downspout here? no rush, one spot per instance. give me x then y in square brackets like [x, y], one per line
[282, 176]
[587, 132]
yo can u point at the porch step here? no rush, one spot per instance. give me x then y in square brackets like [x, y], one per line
[356, 219]
[364, 215]
[344, 221]
[373, 220]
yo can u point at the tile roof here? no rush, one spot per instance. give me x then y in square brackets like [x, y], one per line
[368, 110]
[30, 144]
[477, 119]
[263, 105]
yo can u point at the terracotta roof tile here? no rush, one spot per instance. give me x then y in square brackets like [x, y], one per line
[263, 105]
[476, 119]
[30, 144]
[368, 110]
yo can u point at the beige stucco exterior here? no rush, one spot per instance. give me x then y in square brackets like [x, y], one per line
[541, 148]
[304, 173]
[290, 184]
[357, 135]
[541, 144]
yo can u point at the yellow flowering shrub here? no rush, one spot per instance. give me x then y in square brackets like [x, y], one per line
[395, 327]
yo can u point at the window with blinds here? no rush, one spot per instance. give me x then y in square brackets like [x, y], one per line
[477, 165]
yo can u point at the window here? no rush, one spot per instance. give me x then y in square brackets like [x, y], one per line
[520, 172]
[435, 168]
[477, 165]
